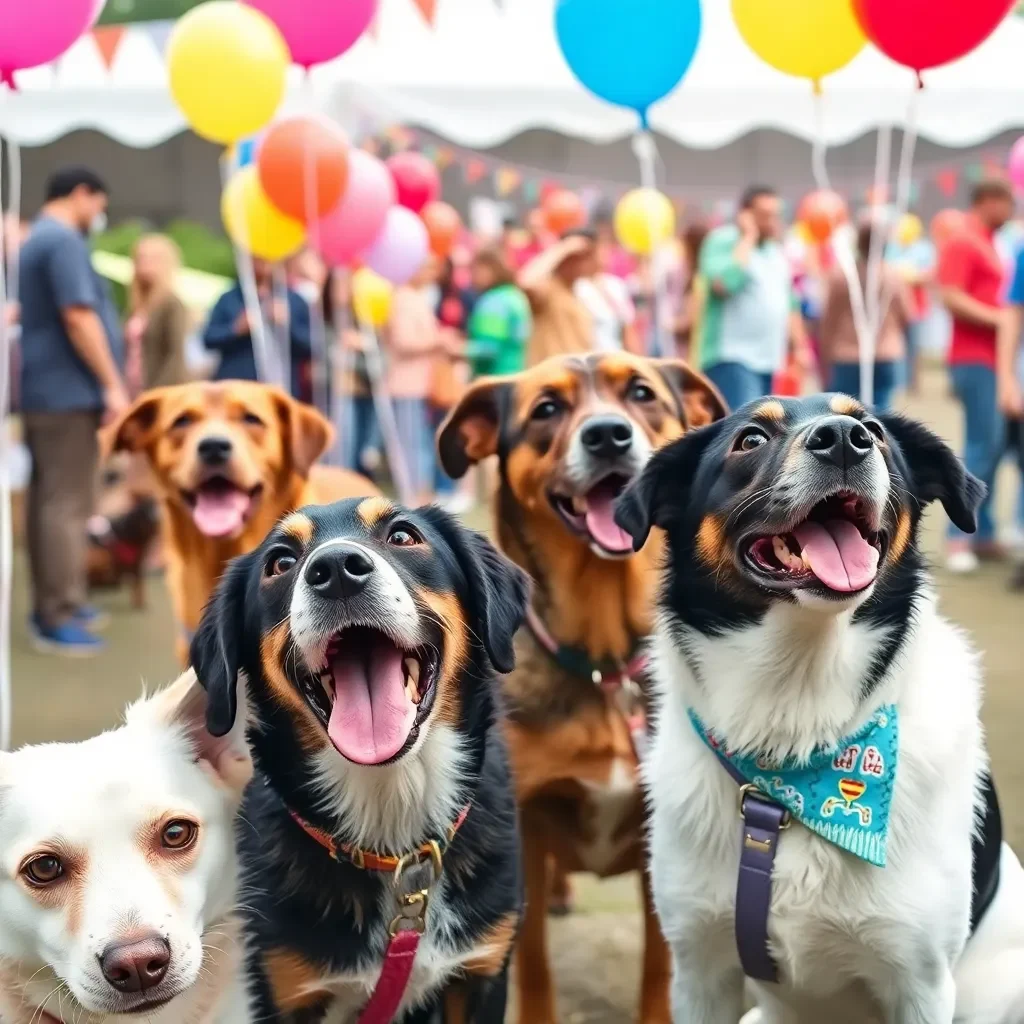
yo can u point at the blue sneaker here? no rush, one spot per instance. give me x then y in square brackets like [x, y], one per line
[70, 639]
[92, 618]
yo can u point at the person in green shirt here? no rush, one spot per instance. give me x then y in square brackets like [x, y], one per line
[499, 323]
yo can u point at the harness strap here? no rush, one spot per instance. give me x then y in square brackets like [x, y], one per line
[394, 979]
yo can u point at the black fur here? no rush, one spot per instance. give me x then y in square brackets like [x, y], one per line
[328, 912]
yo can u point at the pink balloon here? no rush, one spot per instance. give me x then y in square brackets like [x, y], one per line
[318, 30]
[401, 247]
[356, 221]
[40, 31]
[1015, 165]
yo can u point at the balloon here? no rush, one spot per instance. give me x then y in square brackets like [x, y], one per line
[227, 65]
[318, 30]
[38, 31]
[254, 223]
[628, 52]
[400, 249]
[822, 212]
[1015, 165]
[371, 297]
[416, 180]
[356, 221]
[909, 229]
[303, 166]
[945, 224]
[443, 224]
[805, 38]
[563, 210]
[926, 33]
[644, 219]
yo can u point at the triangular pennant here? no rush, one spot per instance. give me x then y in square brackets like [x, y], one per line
[531, 190]
[160, 33]
[947, 182]
[108, 39]
[506, 180]
[475, 170]
[444, 158]
[428, 8]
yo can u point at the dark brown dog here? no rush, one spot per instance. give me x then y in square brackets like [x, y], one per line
[570, 434]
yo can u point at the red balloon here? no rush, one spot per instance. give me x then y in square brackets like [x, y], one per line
[945, 224]
[822, 211]
[416, 180]
[443, 225]
[563, 210]
[926, 33]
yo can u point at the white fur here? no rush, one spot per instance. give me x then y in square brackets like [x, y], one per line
[856, 943]
[96, 798]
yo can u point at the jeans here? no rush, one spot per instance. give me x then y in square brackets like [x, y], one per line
[358, 431]
[887, 378]
[416, 436]
[738, 383]
[985, 431]
[444, 485]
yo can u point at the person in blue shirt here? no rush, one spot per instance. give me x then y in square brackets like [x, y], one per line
[228, 332]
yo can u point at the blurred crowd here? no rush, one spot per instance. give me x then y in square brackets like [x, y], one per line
[754, 303]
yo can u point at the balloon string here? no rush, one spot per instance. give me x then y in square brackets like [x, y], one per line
[265, 371]
[844, 257]
[646, 151]
[282, 332]
[879, 231]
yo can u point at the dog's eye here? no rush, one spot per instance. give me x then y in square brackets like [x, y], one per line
[638, 391]
[545, 410]
[281, 563]
[179, 835]
[182, 421]
[876, 428]
[43, 870]
[404, 537]
[750, 439]
[252, 420]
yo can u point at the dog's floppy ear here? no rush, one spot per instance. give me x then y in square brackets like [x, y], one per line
[471, 430]
[936, 472]
[186, 703]
[699, 401]
[216, 650]
[497, 590]
[663, 486]
[307, 432]
[135, 429]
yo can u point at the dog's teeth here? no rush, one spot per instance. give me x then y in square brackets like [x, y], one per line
[788, 558]
[579, 506]
[412, 679]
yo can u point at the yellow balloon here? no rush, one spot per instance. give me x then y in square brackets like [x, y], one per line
[371, 297]
[806, 38]
[254, 223]
[644, 219]
[227, 64]
[909, 229]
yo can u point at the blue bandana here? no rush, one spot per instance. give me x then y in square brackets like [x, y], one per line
[843, 793]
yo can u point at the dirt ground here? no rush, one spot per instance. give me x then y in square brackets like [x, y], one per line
[597, 948]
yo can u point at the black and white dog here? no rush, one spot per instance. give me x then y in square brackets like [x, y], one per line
[799, 643]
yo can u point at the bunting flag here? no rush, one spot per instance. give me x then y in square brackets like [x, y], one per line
[108, 39]
[506, 181]
[428, 8]
[475, 170]
[947, 182]
[531, 191]
[160, 34]
[444, 157]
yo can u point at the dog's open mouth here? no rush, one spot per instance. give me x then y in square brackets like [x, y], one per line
[834, 547]
[220, 508]
[372, 695]
[592, 515]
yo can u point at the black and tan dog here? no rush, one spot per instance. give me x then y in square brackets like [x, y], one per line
[369, 636]
[570, 434]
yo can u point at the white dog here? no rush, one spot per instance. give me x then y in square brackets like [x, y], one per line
[797, 628]
[118, 872]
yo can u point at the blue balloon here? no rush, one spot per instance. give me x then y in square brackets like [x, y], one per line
[629, 52]
[245, 150]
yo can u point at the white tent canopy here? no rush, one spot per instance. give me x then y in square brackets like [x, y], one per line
[484, 73]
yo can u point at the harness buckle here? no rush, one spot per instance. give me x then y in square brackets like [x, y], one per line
[750, 790]
[425, 866]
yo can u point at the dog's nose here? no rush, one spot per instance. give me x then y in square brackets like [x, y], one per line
[136, 966]
[840, 441]
[340, 572]
[214, 451]
[607, 436]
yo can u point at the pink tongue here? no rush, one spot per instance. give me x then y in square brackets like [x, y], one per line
[837, 554]
[220, 512]
[371, 717]
[601, 523]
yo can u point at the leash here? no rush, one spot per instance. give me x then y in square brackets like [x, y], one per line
[414, 876]
[616, 679]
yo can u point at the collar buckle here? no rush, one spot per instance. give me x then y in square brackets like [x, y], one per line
[415, 875]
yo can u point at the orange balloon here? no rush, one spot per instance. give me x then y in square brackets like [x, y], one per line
[822, 212]
[945, 224]
[303, 166]
[563, 210]
[443, 224]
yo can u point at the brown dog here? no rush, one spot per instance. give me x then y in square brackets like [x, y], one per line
[570, 434]
[230, 459]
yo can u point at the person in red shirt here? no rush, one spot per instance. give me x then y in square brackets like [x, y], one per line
[971, 279]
